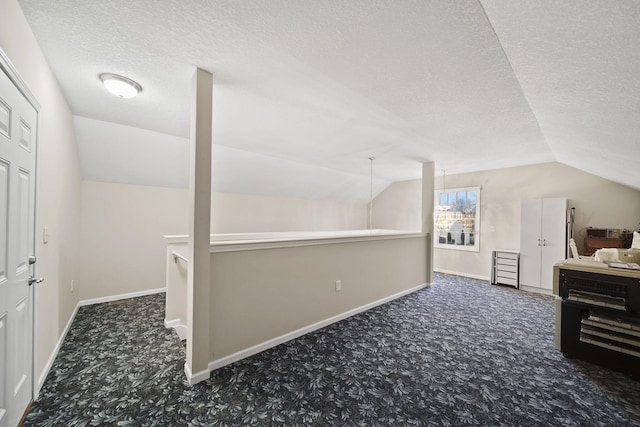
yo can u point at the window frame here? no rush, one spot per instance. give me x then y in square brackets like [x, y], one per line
[436, 237]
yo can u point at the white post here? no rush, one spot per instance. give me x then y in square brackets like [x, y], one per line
[428, 188]
[198, 279]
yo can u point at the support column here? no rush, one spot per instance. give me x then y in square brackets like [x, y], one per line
[198, 278]
[428, 188]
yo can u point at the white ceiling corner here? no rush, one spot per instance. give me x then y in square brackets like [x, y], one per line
[156, 159]
[578, 63]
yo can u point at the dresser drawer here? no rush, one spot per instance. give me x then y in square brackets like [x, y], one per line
[511, 281]
[507, 255]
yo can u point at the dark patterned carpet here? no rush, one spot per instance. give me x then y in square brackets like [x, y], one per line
[461, 353]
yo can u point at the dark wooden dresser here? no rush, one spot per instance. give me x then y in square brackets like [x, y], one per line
[591, 244]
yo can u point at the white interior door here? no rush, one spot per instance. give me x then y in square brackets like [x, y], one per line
[530, 242]
[554, 238]
[18, 124]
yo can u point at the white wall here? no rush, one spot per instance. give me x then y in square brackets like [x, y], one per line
[599, 203]
[238, 213]
[399, 206]
[123, 249]
[58, 183]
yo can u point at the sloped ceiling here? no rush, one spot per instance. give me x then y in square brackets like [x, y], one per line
[306, 91]
[578, 63]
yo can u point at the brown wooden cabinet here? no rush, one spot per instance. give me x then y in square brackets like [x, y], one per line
[591, 244]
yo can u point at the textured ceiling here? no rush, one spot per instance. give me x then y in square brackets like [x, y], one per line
[578, 63]
[306, 91]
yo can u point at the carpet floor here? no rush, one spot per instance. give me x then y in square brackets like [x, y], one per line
[462, 352]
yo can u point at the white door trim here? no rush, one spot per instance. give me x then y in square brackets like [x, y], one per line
[8, 68]
[12, 73]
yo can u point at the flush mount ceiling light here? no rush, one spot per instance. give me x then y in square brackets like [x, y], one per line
[121, 87]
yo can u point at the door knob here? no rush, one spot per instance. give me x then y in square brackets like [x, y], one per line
[33, 280]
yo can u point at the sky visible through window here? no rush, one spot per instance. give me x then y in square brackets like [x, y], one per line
[456, 221]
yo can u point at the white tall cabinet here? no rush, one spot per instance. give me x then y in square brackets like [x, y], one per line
[543, 240]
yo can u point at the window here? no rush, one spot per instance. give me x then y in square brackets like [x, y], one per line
[457, 219]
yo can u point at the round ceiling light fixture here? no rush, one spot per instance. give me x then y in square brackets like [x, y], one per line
[120, 86]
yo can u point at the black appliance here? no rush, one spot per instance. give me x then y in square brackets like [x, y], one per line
[600, 316]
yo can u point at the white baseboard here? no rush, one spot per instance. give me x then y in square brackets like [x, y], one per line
[198, 376]
[536, 290]
[459, 273]
[121, 296]
[54, 354]
[180, 328]
[172, 323]
[56, 349]
[242, 354]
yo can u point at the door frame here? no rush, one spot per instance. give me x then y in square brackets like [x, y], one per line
[7, 67]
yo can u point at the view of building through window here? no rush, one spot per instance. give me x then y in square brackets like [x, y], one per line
[456, 218]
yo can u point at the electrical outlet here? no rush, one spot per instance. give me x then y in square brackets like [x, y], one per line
[72, 286]
[338, 285]
[45, 235]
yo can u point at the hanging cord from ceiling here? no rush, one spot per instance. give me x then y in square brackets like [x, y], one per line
[371, 159]
[444, 186]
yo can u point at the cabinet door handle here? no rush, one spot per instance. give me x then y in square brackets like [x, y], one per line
[544, 242]
[538, 242]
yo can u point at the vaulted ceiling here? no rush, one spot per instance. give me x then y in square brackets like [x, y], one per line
[305, 91]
